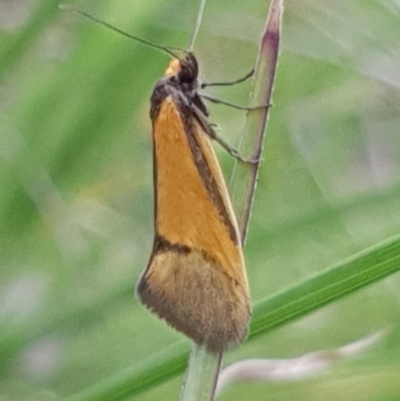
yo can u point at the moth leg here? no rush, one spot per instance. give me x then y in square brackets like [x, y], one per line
[208, 128]
[230, 149]
[233, 151]
[238, 81]
[235, 106]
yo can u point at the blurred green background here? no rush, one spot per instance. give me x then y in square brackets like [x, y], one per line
[76, 185]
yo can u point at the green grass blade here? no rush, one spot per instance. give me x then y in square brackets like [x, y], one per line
[358, 271]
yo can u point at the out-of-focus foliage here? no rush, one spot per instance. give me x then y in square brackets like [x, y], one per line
[76, 185]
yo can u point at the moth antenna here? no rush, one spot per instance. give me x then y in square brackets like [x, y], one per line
[168, 50]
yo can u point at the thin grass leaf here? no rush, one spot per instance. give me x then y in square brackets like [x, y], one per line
[362, 269]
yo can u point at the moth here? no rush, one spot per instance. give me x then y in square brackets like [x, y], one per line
[196, 278]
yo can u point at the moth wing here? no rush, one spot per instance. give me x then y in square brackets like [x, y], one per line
[196, 278]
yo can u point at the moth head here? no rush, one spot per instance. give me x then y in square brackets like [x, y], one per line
[185, 69]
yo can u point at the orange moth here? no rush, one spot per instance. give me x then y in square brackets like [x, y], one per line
[196, 278]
